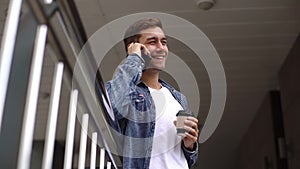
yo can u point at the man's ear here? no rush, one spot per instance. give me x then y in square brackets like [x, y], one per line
[128, 45]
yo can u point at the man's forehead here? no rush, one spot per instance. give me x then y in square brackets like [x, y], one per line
[153, 32]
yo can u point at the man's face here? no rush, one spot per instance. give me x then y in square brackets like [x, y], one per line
[155, 41]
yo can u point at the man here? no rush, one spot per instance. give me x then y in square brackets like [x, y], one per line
[145, 106]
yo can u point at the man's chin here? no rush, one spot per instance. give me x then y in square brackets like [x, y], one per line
[157, 66]
[154, 69]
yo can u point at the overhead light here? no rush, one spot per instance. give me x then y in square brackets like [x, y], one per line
[205, 4]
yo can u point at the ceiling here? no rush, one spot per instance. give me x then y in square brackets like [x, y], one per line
[252, 39]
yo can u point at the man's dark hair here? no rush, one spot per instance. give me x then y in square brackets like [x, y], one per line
[132, 34]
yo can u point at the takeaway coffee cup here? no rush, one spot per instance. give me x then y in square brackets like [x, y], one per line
[181, 117]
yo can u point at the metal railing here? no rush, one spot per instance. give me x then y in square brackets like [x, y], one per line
[50, 24]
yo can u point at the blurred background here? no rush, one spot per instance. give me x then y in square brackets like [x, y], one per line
[258, 43]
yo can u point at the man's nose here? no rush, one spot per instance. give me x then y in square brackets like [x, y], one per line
[159, 46]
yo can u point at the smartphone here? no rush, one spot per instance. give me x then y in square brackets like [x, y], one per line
[146, 58]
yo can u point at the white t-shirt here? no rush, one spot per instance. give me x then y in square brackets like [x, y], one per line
[166, 150]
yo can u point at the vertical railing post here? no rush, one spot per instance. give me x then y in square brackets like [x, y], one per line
[7, 48]
[102, 158]
[83, 140]
[52, 117]
[17, 87]
[93, 151]
[70, 130]
[108, 165]
[31, 99]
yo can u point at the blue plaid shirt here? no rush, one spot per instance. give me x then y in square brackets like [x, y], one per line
[134, 113]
